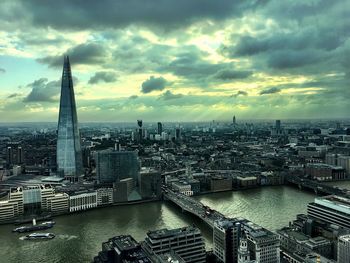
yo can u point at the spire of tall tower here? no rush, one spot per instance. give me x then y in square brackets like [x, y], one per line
[69, 156]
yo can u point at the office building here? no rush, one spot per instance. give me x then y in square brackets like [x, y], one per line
[104, 196]
[331, 209]
[177, 133]
[122, 249]
[46, 192]
[140, 130]
[278, 125]
[325, 172]
[69, 155]
[123, 189]
[264, 246]
[113, 166]
[16, 196]
[8, 211]
[150, 182]
[344, 249]
[14, 154]
[58, 203]
[218, 183]
[226, 240]
[187, 242]
[159, 128]
[82, 201]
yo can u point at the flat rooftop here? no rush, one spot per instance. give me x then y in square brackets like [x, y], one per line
[165, 233]
[294, 234]
[125, 242]
[334, 202]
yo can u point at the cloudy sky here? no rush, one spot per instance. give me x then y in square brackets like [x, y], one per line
[183, 60]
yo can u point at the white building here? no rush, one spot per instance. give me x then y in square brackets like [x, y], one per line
[344, 249]
[58, 203]
[82, 201]
[182, 188]
[8, 210]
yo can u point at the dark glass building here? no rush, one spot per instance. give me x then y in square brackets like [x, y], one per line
[113, 166]
[69, 156]
[159, 128]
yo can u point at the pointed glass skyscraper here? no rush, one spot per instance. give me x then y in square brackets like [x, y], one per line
[69, 156]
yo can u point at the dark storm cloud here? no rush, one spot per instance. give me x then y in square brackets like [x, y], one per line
[293, 59]
[87, 53]
[297, 10]
[303, 39]
[270, 91]
[240, 93]
[81, 14]
[192, 66]
[104, 76]
[153, 84]
[228, 74]
[43, 91]
[307, 38]
[168, 95]
[2, 70]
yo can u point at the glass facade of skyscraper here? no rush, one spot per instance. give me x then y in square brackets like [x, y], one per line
[69, 155]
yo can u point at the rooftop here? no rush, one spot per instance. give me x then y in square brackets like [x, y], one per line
[126, 242]
[345, 238]
[334, 202]
[165, 233]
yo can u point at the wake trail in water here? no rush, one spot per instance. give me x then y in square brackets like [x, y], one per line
[66, 236]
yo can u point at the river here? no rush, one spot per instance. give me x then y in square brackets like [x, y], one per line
[79, 236]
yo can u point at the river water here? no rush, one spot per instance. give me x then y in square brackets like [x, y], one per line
[79, 236]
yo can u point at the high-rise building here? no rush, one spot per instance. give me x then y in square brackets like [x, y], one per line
[14, 154]
[234, 120]
[226, 240]
[177, 133]
[113, 166]
[187, 242]
[140, 130]
[331, 209]
[150, 183]
[344, 249]
[159, 128]
[69, 155]
[278, 125]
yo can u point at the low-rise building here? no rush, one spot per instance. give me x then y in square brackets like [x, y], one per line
[8, 211]
[247, 181]
[104, 196]
[82, 201]
[58, 203]
[218, 183]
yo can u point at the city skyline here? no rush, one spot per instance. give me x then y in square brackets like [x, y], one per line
[255, 60]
